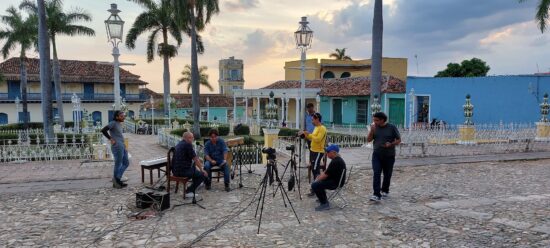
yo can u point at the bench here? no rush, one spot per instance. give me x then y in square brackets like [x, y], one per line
[158, 164]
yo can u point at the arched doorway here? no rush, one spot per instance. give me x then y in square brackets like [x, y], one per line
[96, 116]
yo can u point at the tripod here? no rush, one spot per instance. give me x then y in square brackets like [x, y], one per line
[194, 201]
[238, 163]
[293, 171]
[272, 175]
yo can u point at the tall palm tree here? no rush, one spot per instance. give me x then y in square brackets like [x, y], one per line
[542, 13]
[186, 77]
[194, 15]
[22, 32]
[158, 18]
[340, 54]
[377, 33]
[45, 80]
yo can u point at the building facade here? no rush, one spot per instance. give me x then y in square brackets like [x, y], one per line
[90, 81]
[231, 75]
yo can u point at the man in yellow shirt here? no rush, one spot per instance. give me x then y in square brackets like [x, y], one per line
[317, 150]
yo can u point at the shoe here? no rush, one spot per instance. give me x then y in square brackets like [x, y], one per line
[375, 198]
[116, 185]
[227, 188]
[323, 207]
[385, 194]
[124, 179]
[311, 194]
[190, 195]
[208, 186]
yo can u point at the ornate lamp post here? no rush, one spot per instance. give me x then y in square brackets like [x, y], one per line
[271, 110]
[375, 106]
[543, 126]
[75, 100]
[18, 109]
[152, 100]
[303, 38]
[411, 108]
[544, 107]
[318, 100]
[468, 111]
[114, 26]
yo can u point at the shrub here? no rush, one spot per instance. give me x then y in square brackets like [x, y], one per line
[241, 129]
[178, 132]
[288, 132]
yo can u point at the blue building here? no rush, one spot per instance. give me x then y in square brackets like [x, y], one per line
[496, 99]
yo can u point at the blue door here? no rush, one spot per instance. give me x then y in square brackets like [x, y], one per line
[3, 118]
[123, 90]
[96, 116]
[110, 115]
[14, 90]
[88, 91]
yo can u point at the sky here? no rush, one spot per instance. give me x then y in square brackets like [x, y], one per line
[429, 33]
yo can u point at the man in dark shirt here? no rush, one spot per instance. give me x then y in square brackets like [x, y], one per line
[330, 178]
[386, 137]
[186, 163]
[113, 132]
[215, 154]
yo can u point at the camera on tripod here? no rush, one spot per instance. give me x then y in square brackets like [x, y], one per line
[290, 148]
[270, 152]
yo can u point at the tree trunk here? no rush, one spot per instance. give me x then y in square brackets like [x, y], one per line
[377, 32]
[45, 70]
[166, 74]
[57, 83]
[195, 97]
[23, 85]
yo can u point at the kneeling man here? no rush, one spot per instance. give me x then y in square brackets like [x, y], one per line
[330, 178]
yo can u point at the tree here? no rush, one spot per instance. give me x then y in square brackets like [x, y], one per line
[467, 68]
[45, 79]
[60, 23]
[186, 77]
[542, 13]
[22, 32]
[194, 15]
[377, 35]
[158, 18]
[340, 54]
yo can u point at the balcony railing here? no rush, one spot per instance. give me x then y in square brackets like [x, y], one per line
[82, 96]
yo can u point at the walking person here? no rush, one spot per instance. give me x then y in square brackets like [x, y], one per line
[113, 132]
[386, 137]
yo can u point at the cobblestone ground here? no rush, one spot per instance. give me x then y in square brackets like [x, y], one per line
[487, 204]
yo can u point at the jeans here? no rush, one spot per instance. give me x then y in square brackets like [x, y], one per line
[381, 164]
[319, 188]
[120, 155]
[226, 173]
[315, 158]
[195, 174]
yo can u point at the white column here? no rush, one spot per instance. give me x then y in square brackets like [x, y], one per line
[283, 116]
[258, 110]
[116, 76]
[286, 112]
[234, 108]
[246, 110]
[298, 124]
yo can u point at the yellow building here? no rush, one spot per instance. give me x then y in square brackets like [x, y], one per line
[332, 68]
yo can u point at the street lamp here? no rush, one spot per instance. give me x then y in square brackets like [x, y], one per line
[411, 109]
[303, 38]
[152, 100]
[207, 108]
[114, 26]
[18, 109]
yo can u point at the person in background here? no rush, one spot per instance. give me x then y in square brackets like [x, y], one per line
[330, 178]
[113, 132]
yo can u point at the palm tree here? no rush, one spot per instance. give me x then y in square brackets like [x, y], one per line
[159, 18]
[339, 54]
[542, 13]
[377, 32]
[193, 15]
[45, 79]
[186, 77]
[60, 23]
[22, 32]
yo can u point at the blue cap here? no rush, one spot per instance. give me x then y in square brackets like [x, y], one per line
[333, 147]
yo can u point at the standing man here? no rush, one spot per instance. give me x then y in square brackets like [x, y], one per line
[386, 137]
[308, 125]
[113, 132]
[330, 178]
[182, 163]
[317, 149]
[215, 154]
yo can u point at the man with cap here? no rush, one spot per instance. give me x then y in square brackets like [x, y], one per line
[330, 178]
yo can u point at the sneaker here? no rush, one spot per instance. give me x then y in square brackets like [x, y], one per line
[190, 195]
[375, 198]
[385, 194]
[311, 194]
[116, 185]
[323, 207]
[227, 188]
[124, 179]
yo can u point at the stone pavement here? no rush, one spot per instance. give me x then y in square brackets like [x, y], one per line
[480, 204]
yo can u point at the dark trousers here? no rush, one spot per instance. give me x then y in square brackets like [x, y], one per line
[381, 164]
[196, 177]
[319, 188]
[315, 159]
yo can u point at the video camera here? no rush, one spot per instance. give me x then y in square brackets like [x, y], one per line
[290, 148]
[270, 152]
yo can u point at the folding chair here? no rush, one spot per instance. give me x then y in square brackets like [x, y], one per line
[337, 194]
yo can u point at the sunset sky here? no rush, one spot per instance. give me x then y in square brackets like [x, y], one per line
[501, 32]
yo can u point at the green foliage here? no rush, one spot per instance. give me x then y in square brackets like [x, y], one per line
[339, 54]
[541, 17]
[178, 132]
[60, 136]
[32, 125]
[241, 129]
[186, 77]
[288, 132]
[467, 68]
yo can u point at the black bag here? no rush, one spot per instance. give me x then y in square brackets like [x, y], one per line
[291, 183]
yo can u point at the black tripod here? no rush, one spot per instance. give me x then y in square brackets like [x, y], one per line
[294, 172]
[238, 163]
[272, 175]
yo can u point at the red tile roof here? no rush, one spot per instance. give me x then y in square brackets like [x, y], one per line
[71, 71]
[184, 100]
[356, 86]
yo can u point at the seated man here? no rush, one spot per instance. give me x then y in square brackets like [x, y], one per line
[215, 154]
[182, 163]
[330, 177]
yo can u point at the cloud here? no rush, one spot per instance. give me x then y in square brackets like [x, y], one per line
[240, 5]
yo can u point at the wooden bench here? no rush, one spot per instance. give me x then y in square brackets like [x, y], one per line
[158, 164]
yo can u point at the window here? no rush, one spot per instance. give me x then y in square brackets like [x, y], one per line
[362, 111]
[234, 74]
[345, 75]
[235, 87]
[328, 74]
